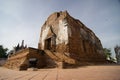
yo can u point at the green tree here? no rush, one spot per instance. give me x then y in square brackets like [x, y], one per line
[108, 54]
[117, 52]
[3, 52]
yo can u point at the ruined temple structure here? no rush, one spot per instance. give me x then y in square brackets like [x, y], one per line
[64, 42]
[21, 58]
[62, 34]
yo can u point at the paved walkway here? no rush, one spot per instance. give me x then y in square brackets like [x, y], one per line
[82, 73]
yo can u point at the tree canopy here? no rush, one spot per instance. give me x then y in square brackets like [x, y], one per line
[117, 52]
[108, 54]
[3, 52]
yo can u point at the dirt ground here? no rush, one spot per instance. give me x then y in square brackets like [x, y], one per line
[98, 72]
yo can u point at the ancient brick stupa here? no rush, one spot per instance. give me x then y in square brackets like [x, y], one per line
[64, 35]
[64, 42]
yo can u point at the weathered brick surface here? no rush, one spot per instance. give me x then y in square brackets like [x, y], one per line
[71, 37]
[20, 60]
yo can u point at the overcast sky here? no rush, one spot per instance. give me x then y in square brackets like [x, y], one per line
[22, 19]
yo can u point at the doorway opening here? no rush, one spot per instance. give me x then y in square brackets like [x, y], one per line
[33, 62]
[48, 44]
